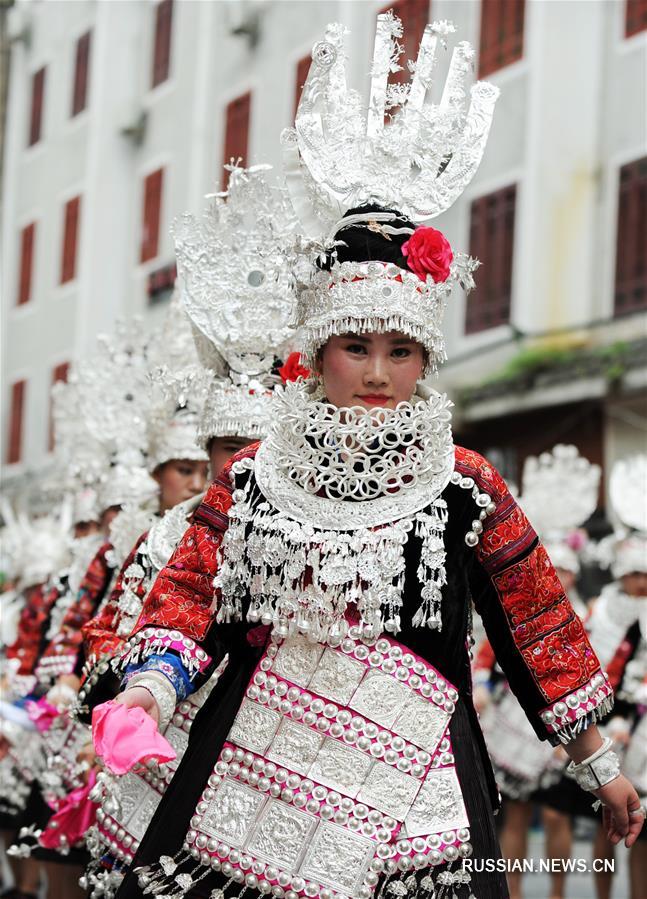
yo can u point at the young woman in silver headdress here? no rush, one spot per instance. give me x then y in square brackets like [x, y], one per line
[243, 349]
[333, 565]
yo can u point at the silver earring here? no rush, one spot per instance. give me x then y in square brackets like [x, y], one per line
[315, 387]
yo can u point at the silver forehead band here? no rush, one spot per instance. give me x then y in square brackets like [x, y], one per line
[372, 297]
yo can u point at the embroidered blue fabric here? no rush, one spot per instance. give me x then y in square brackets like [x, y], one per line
[170, 666]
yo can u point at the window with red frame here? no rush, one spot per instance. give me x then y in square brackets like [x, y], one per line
[70, 239]
[631, 238]
[59, 373]
[162, 42]
[303, 67]
[501, 41]
[81, 66]
[37, 101]
[492, 241]
[635, 16]
[236, 132]
[27, 241]
[14, 443]
[414, 15]
[152, 206]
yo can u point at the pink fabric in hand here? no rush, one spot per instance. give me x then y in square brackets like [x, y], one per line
[75, 815]
[122, 737]
[42, 713]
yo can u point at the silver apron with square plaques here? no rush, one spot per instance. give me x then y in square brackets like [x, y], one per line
[338, 768]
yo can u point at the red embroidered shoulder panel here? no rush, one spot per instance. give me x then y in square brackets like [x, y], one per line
[99, 634]
[182, 597]
[31, 627]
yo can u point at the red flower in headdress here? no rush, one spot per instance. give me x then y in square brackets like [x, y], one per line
[292, 369]
[428, 253]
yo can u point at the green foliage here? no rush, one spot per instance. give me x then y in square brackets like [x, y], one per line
[561, 363]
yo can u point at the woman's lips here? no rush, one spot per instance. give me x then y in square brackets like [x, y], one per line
[376, 399]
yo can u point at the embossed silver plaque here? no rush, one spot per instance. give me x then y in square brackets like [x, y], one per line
[380, 697]
[337, 858]
[439, 805]
[422, 722]
[340, 767]
[295, 746]
[389, 790]
[232, 812]
[139, 801]
[337, 676]
[254, 726]
[297, 660]
[281, 835]
[179, 740]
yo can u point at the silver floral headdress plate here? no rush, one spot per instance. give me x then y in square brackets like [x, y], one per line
[239, 294]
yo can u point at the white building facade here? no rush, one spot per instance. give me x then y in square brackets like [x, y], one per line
[134, 122]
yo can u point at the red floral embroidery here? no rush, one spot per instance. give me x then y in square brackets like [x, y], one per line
[547, 620]
[529, 587]
[182, 597]
[617, 665]
[543, 625]
[475, 466]
[31, 627]
[92, 590]
[562, 660]
[100, 633]
[510, 536]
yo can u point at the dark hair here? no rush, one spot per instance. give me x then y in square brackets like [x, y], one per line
[360, 244]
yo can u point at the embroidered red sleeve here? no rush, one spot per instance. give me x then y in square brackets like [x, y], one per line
[31, 627]
[92, 590]
[538, 639]
[618, 664]
[100, 633]
[182, 597]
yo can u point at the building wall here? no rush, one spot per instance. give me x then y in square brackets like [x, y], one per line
[571, 112]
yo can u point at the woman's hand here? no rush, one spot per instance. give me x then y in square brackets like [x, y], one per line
[69, 680]
[621, 815]
[138, 696]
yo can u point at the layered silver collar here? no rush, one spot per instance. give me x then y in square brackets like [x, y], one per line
[349, 468]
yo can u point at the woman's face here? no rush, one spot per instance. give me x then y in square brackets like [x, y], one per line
[179, 480]
[371, 370]
[635, 584]
[85, 528]
[221, 449]
[107, 517]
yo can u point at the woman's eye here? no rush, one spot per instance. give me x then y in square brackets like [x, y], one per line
[401, 352]
[357, 348]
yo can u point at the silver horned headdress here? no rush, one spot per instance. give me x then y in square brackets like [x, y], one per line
[179, 385]
[628, 495]
[238, 293]
[340, 156]
[559, 492]
[80, 458]
[114, 388]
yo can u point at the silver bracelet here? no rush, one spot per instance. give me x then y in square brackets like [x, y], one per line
[162, 691]
[598, 769]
